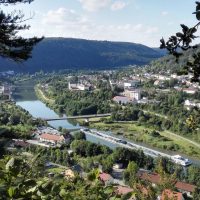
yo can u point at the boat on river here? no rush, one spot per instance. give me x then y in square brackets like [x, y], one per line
[181, 160]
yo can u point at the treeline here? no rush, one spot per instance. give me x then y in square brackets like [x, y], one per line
[16, 122]
[80, 102]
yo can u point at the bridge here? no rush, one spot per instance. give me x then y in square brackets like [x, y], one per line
[77, 117]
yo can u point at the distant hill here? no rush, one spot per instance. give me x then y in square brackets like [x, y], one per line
[67, 53]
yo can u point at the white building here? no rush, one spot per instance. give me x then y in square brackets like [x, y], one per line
[134, 94]
[122, 100]
[81, 87]
[131, 83]
[190, 90]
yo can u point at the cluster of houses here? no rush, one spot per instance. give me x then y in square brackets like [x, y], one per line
[154, 179]
[44, 136]
[131, 94]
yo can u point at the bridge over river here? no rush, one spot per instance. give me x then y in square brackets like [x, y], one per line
[78, 117]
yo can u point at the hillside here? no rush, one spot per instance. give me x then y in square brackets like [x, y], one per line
[169, 62]
[66, 53]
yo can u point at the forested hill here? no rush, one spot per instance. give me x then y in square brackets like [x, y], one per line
[66, 53]
[169, 62]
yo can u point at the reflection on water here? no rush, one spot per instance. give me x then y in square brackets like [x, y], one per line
[40, 110]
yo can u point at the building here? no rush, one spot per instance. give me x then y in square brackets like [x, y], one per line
[168, 194]
[190, 90]
[133, 94]
[69, 174]
[5, 90]
[122, 190]
[107, 179]
[122, 100]
[189, 104]
[156, 179]
[131, 84]
[81, 87]
[53, 139]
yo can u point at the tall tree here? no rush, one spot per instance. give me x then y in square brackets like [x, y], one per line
[12, 45]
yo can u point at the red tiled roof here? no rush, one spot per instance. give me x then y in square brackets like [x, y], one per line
[152, 177]
[105, 177]
[21, 143]
[121, 190]
[155, 178]
[185, 186]
[47, 136]
[168, 194]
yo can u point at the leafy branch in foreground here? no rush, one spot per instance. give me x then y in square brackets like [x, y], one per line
[182, 41]
[12, 45]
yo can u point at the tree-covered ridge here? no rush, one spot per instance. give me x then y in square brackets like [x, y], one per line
[170, 63]
[66, 53]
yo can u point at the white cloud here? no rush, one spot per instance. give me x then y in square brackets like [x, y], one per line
[151, 30]
[164, 13]
[94, 5]
[64, 22]
[59, 17]
[118, 5]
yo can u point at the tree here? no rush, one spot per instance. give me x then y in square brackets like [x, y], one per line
[182, 41]
[79, 136]
[12, 45]
[130, 172]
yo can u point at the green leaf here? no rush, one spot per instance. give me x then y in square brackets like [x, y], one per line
[11, 191]
[10, 164]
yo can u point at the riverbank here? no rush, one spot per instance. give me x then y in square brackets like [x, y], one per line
[40, 94]
[139, 133]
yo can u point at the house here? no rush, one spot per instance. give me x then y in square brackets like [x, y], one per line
[156, 179]
[189, 104]
[123, 190]
[107, 179]
[69, 174]
[54, 139]
[118, 166]
[5, 90]
[133, 94]
[81, 87]
[131, 84]
[20, 143]
[185, 188]
[122, 100]
[168, 194]
[190, 90]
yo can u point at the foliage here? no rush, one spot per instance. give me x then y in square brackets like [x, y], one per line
[62, 53]
[183, 40]
[12, 45]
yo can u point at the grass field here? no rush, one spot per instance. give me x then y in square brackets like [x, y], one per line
[140, 133]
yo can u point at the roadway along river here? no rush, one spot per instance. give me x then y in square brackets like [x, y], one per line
[38, 109]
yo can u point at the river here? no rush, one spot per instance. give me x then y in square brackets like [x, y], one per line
[25, 96]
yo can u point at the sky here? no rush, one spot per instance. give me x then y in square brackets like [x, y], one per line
[138, 21]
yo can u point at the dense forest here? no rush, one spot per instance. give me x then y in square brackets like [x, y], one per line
[169, 62]
[66, 53]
